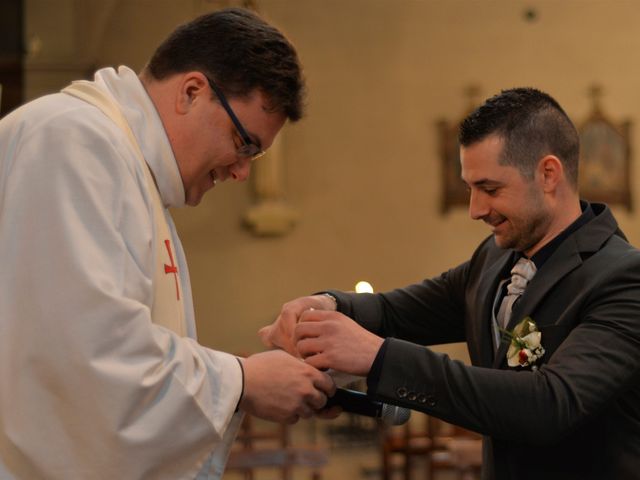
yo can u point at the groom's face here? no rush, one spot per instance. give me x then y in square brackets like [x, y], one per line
[511, 205]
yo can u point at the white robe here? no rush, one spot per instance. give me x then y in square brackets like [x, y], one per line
[90, 388]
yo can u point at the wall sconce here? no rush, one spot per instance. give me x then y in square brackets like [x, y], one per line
[271, 215]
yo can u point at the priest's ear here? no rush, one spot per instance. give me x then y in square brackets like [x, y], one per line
[550, 173]
[192, 87]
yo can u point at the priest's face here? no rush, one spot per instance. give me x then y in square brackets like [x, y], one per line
[511, 205]
[211, 148]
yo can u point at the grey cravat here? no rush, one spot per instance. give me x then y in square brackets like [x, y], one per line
[521, 273]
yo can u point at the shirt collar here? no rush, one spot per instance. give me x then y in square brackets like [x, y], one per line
[136, 106]
[542, 255]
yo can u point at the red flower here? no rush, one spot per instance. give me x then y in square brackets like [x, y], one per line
[523, 357]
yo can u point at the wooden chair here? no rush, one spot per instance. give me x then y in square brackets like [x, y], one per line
[408, 442]
[271, 447]
[454, 448]
[442, 446]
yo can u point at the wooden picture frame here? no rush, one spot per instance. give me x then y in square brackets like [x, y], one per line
[605, 161]
[454, 192]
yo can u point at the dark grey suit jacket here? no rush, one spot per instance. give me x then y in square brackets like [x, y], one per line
[578, 415]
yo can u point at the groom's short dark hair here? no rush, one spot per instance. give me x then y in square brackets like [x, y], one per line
[532, 125]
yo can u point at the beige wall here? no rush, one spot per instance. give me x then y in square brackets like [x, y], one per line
[363, 167]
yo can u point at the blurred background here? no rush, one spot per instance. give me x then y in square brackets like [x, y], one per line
[365, 187]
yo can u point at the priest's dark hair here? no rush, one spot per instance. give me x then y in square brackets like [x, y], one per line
[240, 52]
[532, 125]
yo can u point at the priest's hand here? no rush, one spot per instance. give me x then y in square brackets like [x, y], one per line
[282, 388]
[331, 340]
[280, 334]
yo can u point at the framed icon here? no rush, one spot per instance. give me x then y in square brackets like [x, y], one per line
[605, 161]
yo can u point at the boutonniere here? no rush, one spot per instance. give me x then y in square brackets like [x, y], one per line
[524, 344]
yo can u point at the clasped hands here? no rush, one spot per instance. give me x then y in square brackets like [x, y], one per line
[309, 328]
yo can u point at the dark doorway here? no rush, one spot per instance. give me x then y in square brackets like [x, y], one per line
[11, 55]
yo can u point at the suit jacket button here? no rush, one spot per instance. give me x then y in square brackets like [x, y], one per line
[431, 400]
[411, 396]
[422, 398]
[401, 392]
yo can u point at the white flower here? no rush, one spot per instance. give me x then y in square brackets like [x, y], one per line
[525, 347]
[532, 340]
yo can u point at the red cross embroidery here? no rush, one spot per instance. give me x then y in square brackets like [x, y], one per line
[172, 268]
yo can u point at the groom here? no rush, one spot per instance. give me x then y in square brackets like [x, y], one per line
[560, 403]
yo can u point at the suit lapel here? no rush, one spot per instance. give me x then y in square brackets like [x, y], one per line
[486, 293]
[566, 258]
